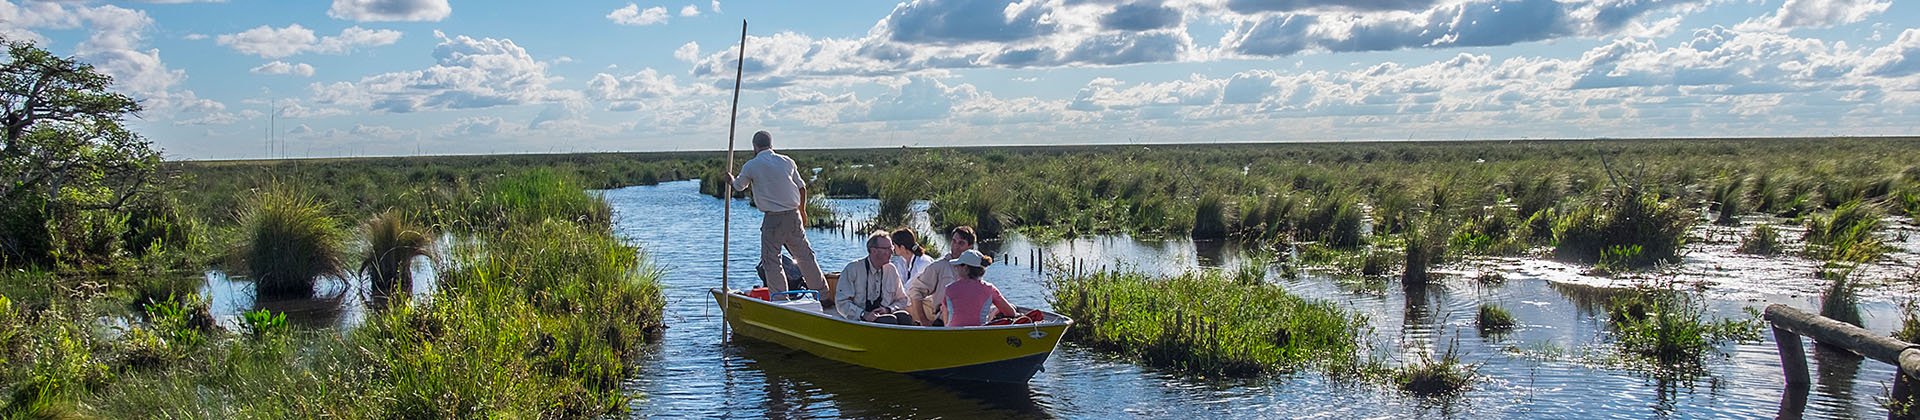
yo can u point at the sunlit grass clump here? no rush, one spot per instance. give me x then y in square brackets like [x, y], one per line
[1763, 240]
[1670, 328]
[529, 197]
[1493, 319]
[392, 243]
[1207, 323]
[290, 238]
[541, 320]
[1435, 378]
[1627, 229]
[1846, 235]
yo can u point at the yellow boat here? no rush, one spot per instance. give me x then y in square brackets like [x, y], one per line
[999, 353]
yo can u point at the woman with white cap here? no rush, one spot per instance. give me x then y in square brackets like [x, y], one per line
[965, 302]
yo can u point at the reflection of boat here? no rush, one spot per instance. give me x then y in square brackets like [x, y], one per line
[1001, 353]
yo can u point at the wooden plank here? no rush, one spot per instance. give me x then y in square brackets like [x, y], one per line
[1793, 357]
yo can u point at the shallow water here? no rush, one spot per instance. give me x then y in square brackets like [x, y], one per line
[1555, 365]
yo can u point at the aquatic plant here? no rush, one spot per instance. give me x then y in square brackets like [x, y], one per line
[290, 238]
[896, 198]
[820, 213]
[1432, 378]
[1493, 319]
[260, 323]
[1210, 218]
[1846, 234]
[1622, 220]
[1205, 323]
[1426, 243]
[1762, 240]
[531, 196]
[1336, 220]
[1841, 300]
[1728, 200]
[392, 244]
[1669, 327]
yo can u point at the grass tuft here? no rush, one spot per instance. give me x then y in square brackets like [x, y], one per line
[392, 243]
[1619, 222]
[1435, 378]
[1846, 235]
[1494, 319]
[1669, 327]
[1206, 323]
[1763, 240]
[291, 238]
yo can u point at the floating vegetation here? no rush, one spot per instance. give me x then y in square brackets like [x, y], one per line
[1205, 323]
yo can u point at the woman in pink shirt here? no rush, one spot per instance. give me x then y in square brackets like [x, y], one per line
[966, 300]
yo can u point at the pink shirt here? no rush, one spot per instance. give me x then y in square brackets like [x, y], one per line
[969, 302]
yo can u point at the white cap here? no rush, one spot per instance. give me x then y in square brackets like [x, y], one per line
[971, 258]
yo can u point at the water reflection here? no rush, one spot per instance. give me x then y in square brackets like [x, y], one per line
[1545, 369]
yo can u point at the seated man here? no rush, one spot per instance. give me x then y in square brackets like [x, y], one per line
[965, 302]
[869, 290]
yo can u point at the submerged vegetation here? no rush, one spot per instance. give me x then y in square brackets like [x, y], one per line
[1207, 323]
[1493, 319]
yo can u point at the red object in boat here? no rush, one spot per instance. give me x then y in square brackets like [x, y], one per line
[760, 292]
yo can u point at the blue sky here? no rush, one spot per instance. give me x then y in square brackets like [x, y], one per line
[400, 77]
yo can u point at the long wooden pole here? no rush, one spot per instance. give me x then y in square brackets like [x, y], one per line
[726, 200]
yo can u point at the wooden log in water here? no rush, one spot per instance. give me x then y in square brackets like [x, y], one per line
[1825, 330]
[1793, 356]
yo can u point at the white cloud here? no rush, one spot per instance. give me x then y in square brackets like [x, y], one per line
[468, 73]
[690, 11]
[196, 37]
[632, 15]
[689, 52]
[114, 45]
[282, 67]
[714, 6]
[390, 10]
[1817, 14]
[270, 42]
[628, 93]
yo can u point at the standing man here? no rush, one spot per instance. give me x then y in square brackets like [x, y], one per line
[781, 194]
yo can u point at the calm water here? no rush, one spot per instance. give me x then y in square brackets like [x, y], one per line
[1556, 365]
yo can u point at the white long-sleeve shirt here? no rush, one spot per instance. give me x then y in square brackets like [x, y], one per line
[908, 270]
[860, 283]
[775, 180]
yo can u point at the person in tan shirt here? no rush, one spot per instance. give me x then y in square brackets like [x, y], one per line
[779, 192]
[920, 291]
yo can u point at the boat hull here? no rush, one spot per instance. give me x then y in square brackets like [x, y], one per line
[1008, 353]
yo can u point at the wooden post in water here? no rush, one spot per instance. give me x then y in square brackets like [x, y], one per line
[726, 202]
[1789, 324]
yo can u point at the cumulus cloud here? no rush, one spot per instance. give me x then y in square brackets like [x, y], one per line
[467, 73]
[633, 15]
[690, 11]
[390, 10]
[269, 42]
[1471, 23]
[1142, 16]
[626, 93]
[115, 44]
[1817, 14]
[282, 67]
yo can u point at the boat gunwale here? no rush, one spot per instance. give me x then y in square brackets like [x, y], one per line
[1053, 319]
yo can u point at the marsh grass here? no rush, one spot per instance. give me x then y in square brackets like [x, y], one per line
[1846, 234]
[1206, 323]
[1841, 300]
[820, 213]
[290, 239]
[1426, 243]
[1445, 376]
[393, 242]
[1210, 218]
[1621, 221]
[1493, 319]
[1669, 328]
[1729, 200]
[532, 196]
[1762, 240]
